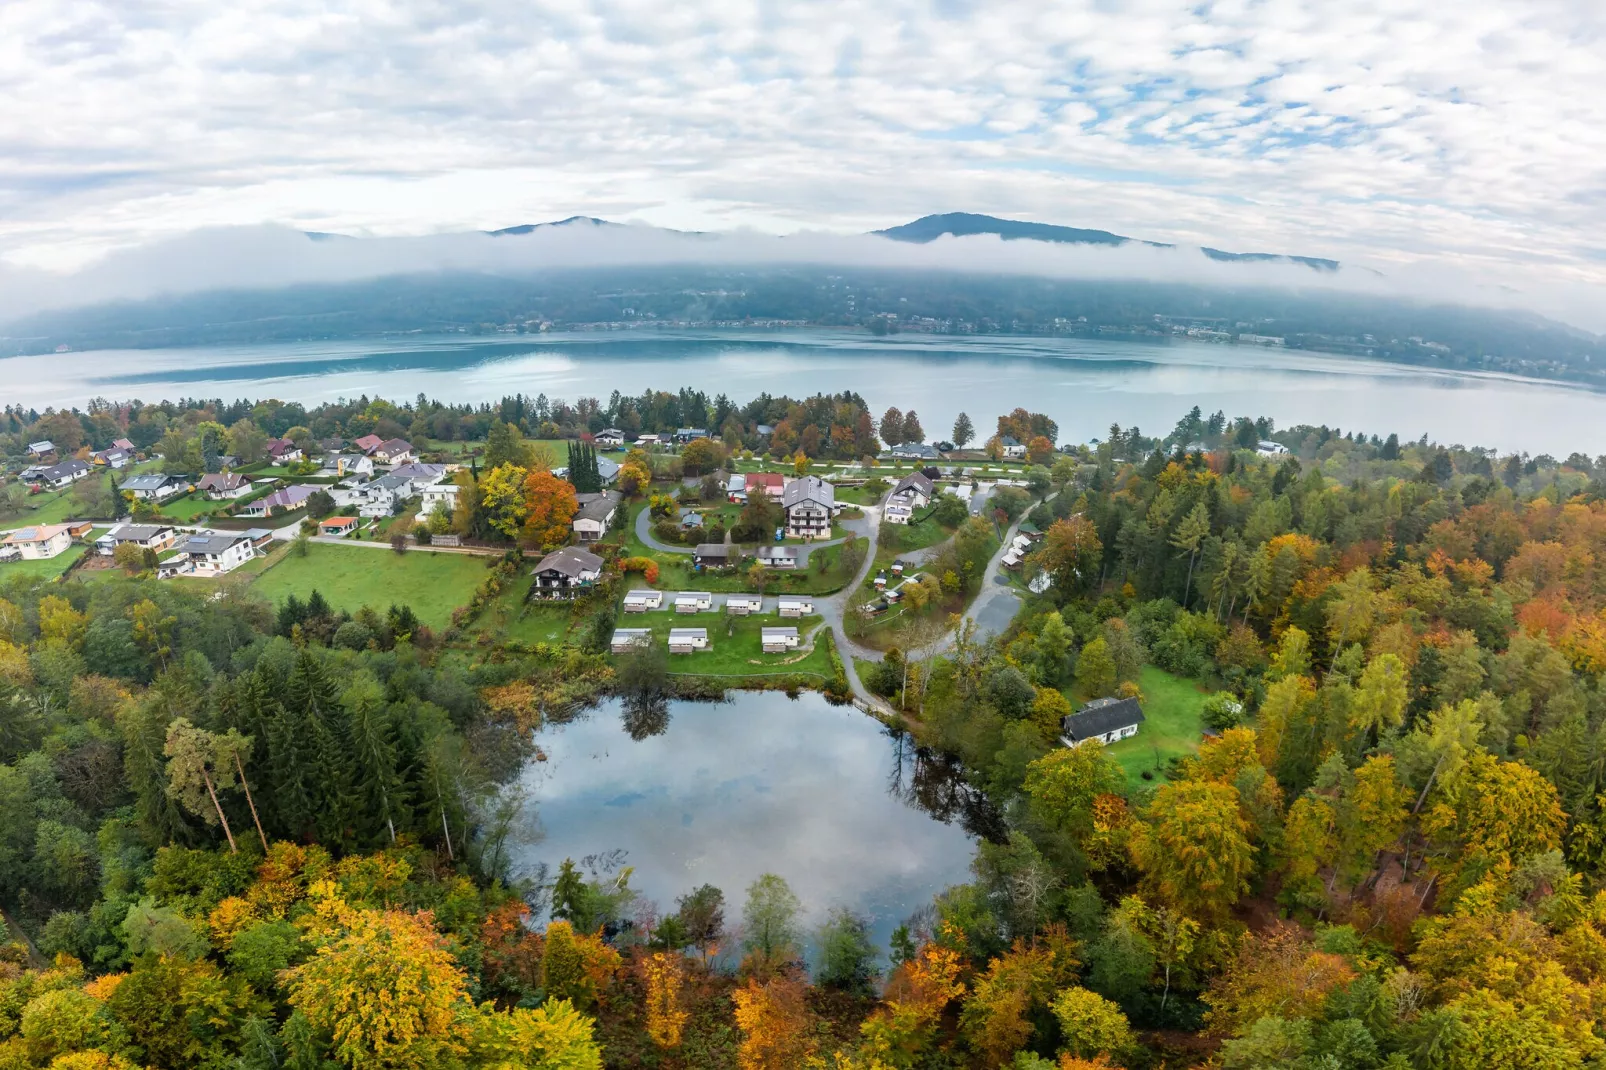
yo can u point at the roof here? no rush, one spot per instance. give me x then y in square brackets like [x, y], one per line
[395, 445]
[771, 551]
[1103, 715]
[257, 533]
[148, 482]
[796, 600]
[764, 429]
[737, 482]
[417, 470]
[687, 633]
[747, 599]
[222, 481]
[326, 521]
[915, 449]
[713, 549]
[916, 481]
[136, 532]
[611, 432]
[695, 596]
[288, 497]
[211, 544]
[388, 481]
[641, 595]
[122, 443]
[280, 445]
[1008, 440]
[44, 446]
[571, 561]
[808, 489]
[112, 454]
[596, 506]
[778, 633]
[37, 533]
[630, 633]
[65, 468]
[765, 479]
[369, 443]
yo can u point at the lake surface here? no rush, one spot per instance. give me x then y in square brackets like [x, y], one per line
[1083, 384]
[720, 793]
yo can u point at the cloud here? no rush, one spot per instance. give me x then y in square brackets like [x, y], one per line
[1409, 135]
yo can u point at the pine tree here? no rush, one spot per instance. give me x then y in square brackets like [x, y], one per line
[380, 792]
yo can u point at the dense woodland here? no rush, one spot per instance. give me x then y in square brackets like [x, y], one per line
[239, 836]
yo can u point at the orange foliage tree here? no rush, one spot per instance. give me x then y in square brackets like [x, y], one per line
[550, 507]
[774, 1020]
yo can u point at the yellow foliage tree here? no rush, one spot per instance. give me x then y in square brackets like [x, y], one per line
[665, 975]
[774, 1020]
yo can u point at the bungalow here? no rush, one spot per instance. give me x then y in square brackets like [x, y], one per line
[1104, 719]
[420, 475]
[778, 640]
[736, 488]
[156, 537]
[42, 541]
[116, 457]
[912, 451]
[123, 444]
[690, 519]
[772, 556]
[394, 451]
[154, 488]
[795, 607]
[563, 573]
[772, 483]
[712, 555]
[42, 449]
[609, 438]
[283, 451]
[63, 474]
[217, 553]
[641, 601]
[648, 440]
[437, 494]
[912, 493]
[369, 443]
[693, 602]
[690, 434]
[595, 515]
[740, 605]
[281, 500]
[229, 485]
[1267, 448]
[628, 639]
[1012, 447]
[685, 640]
[810, 503]
[338, 527]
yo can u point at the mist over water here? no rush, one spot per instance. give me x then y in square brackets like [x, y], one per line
[1083, 384]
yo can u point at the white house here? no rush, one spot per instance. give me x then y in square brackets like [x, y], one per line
[740, 605]
[395, 451]
[116, 457]
[1104, 719]
[685, 640]
[1267, 448]
[627, 639]
[609, 438]
[796, 607]
[566, 572]
[1013, 448]
[154, 488]
[41, 541]
[63, 474]
[810, 503]
[146, 536]
[346, 465]
[778, 640]
[693, 602]
[283, 451]
[772, 556]
[641, 601]
[913, 493]
[419, 474]
[595, 515]
[217, 553]
[380, 497]
[437, 494]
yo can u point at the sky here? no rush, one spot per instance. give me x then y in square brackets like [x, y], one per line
[1465, 137]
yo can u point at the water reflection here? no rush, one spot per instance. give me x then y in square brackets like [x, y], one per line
[689, 793]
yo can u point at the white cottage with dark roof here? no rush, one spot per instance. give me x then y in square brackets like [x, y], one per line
[1105, 719]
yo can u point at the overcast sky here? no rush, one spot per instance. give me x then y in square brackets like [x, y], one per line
[1470, 133]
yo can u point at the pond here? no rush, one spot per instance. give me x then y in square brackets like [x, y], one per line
[847, 811]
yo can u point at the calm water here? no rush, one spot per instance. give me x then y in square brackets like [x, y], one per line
[720, 793]
[1084, 385]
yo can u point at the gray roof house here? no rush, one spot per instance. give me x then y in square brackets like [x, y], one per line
[154, 487]
[59, 475]
[810, 502]
[564, 572]
[1104, 719]
[595, 514]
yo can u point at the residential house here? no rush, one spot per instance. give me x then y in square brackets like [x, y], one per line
[772, 556]
[795, 607]
[369, 443]
[154, 488]
[346, 466]
[283, 451]
[337, 526]
[713, 554]
[736, 488]
[686, 640]
[740, 605]
[437, 494]
[778, 640]
[644, 441]
[216, 485]
[913, 492]
[1013, 448]
[689, 434]
[810, 503]
[332, 445]
[282, 500]
[771, 483]
[381, 497]
[693, 602]
[64, 474]
[1105, 719]
[641, 601]
[420, 475]
[609, 438]
[123, 444]
[764, 429]
[217, 553]
[607, 470]
[912, 451]
[116, 457]
[156, 537]
[42, 449]
[690, 520]
[39, 542]
[628, 639]
[261, 538]
[565, 573]
[595, 515]
[395, 451]
[1267, 448]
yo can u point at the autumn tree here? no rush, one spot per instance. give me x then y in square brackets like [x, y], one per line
[892, 427]
[1064, 784]
[665, 979]
[964, 431]
[1091, 1025]
[549, 508]
[1095, 669]
[1070, 554]
[774, 1019]
[502, 499]
[1193, 847]
[701, 455]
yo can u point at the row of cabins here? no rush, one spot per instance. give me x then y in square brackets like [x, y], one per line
[741, 605]
[1019, 547]
[687, 640]
[721, 555]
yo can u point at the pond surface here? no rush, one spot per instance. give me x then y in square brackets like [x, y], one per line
[822, 795]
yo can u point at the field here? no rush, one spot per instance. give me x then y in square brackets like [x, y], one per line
[186, 507]
[734, 644]
[1171, 726]
[47, 568]
[511, 619]
[51, 507]
[433, 584]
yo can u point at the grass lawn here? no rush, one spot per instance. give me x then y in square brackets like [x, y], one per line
[51, 507]
[186, 507]
[45, 568]
[511, 618]
[735, 647]
[919, 535]
[1171, 728]
[433, 584]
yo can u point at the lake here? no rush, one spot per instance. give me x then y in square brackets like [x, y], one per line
[720, 793]
[1083, 384]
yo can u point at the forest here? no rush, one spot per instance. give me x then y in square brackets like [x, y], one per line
[240, 836]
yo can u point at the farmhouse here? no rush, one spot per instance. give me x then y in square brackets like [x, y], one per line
[1105, 719]
[685, 640]
[41, 541]
[628, 639]
[810, 502]
[565, 573]
[778, 640]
